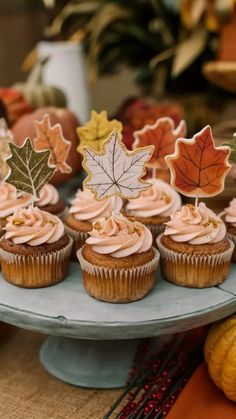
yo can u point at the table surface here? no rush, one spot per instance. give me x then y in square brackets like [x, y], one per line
[27, 391]
[66, 309]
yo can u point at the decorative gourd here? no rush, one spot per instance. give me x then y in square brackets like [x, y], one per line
[220, 355]
[39, 94]
[15, 104]
[25, 128]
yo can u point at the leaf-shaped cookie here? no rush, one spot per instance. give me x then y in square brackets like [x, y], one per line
[163, 136]
[198, 168]
[6, 137]
[115, 170]
[30, 169]
[96, 131]
[51, 138]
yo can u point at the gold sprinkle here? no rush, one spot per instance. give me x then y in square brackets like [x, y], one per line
[166, 198]
[191, 206]
[212, 221]
[128, 216]
[18, 221]
[97, 226]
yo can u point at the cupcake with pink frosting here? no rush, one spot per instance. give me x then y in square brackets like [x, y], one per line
[194, 248]
[10, 202]
[154, 206]
[50, 201]
[118, 261]
[84, 211]
[34, 251]
[229, 217]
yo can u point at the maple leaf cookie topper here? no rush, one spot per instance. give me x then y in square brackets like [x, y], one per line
[29, 169]
[163, 136]
[198, 168]
[114, 170]
[96, 131]
[51, 138]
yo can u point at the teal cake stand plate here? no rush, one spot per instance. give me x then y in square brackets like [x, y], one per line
[93, 343]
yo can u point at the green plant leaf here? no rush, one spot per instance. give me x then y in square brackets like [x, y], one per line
[30, 169]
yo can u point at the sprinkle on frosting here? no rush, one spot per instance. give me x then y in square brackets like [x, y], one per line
[230, 213]
[160, 199]
[33, 227]
[197, 225]
[119, 237]
[48, 196]
[86, 208]
[9, 202]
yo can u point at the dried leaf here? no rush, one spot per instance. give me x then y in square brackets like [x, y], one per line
[51, 138]
[6, 137]
[96, 131]
[198, 167]
[163, 136]
[115, 170]
[30, 169]
[188, 50]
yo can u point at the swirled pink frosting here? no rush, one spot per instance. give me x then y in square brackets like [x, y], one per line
[33, 226]
[160, 199]
[119, 237]
[85, 208]
[197, 225]
[48, 196]
[230, 213]
[9, 202]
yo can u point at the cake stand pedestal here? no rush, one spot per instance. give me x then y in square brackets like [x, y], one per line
[92, 343]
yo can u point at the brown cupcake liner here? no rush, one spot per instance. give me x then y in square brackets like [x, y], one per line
[62, 215]
[195, 271]
[37, 270]
[233, 239]
[156, 230]
[79, 238]
[118, 285]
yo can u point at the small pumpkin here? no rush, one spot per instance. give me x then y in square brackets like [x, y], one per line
[220, 355]
[38, 94]
[25, 127]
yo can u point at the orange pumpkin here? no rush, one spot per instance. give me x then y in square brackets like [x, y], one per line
[25, 127]
[220, 355]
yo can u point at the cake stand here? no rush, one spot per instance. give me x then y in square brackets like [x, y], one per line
[92, 343]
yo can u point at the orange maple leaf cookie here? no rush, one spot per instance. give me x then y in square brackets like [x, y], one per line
[198, 168]
[51, 138]
[163, 136]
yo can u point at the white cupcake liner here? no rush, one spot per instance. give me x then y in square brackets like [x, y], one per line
[210, 260]
[197, 271]
[121, 273]
[36, 270]
[117, 285]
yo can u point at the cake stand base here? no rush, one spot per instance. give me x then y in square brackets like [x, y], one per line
[89, 363]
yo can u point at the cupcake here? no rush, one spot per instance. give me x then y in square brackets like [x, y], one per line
[84, 211]
[50, 201]
[229, 217]
[9, 202]
[195, 251]
[154, 206]
[118, 261]
[34, 251]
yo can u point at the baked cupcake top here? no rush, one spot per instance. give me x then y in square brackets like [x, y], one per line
[119, 237]
[48, 196]
[85, 208]
[230, 213]
[160, 199]
[195, 225]
[9, 202]
[33, 227]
